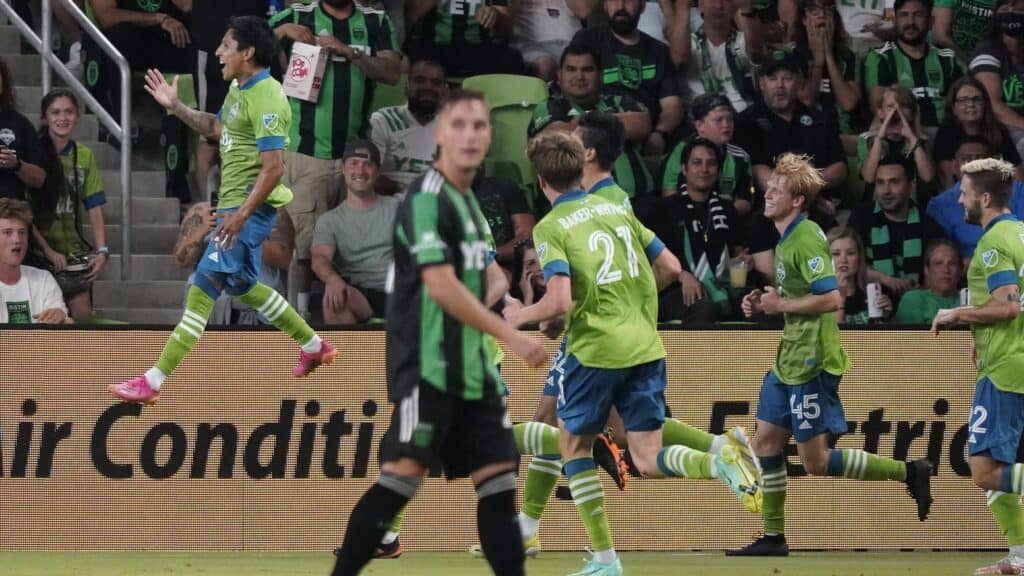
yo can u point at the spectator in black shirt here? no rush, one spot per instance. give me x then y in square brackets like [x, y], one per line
[21, 159]
[969, 113]
[507, 213]
[633, 63]
[781, 123]
[701, 230]
[894, 229]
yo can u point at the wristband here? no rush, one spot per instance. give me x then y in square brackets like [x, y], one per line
[103, 250]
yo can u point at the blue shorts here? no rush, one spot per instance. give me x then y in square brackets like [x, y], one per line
[556, 372]
[806, 410]
[996, 422]
[586, 395]
[236, 270]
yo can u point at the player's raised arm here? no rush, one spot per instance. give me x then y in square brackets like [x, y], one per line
[166, 95]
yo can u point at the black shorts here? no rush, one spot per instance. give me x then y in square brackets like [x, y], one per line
[463, 436]
[378, 301]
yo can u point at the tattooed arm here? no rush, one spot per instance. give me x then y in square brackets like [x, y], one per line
[197, 223]
[278, 247]
[166, 95]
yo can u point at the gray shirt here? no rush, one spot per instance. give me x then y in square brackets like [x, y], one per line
[362, 240]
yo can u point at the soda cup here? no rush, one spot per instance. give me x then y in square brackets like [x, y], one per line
[965, 296]
[874, 291]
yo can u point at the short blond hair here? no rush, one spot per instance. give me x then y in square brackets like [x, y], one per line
[802, 178]
[12, 209]
[992, 176]
[558, 158]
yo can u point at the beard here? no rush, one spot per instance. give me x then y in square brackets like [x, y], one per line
[423, 107]
[623, 23]
[972, 214]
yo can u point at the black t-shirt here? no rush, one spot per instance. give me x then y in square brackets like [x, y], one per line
[855, 308]
[765, 136]
[643, 70]
[152, 7]
[17, 133]
[950, 135]
[678, 218]
[500, 199]
[210, 19]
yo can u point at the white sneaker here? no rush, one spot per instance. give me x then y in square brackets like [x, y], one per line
[1009, 565]
[74, 62]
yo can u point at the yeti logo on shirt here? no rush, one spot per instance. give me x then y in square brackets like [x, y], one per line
[474, 255]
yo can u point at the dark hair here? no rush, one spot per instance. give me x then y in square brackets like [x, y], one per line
[975, 139]
[254, 32]
[989, 125]
[579, 49]
[935, 245]
[605, 134]
[840, 39]
[907, 164]
[900, 3]
[461, 95]
[697, 143]
[7, 98]
[56, 185]
[426, 61]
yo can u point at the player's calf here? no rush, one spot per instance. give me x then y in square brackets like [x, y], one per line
[497, 524]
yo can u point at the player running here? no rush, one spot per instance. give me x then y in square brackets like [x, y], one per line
[603, 269]
[995, 282]
[800, 394]
[252, 127]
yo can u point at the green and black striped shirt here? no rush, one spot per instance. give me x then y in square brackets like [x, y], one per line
[928, 78]
[438, 225]
[343, 109]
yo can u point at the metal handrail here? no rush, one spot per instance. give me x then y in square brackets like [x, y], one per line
[120, 131]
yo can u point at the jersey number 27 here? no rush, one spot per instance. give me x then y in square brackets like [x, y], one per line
[601, 240]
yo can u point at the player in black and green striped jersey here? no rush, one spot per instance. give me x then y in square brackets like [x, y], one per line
[913, 62]
[465, 36]
[449, 398]
[579, 80]
[715, 119]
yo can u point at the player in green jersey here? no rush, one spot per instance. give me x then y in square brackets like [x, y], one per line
[253, 131]
[995, 280]
[602, 270]
[800, 394]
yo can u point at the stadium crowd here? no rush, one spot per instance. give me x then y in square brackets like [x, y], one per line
[695, 102]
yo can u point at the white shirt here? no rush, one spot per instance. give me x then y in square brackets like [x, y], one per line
[544, 21]
[719, 67]
[858, 14]
[36, 291]
[406, 146]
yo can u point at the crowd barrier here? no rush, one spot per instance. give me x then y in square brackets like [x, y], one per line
[237, 455]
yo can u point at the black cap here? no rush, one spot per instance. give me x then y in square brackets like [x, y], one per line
[361, 149]
[781, 61]
[705, 103]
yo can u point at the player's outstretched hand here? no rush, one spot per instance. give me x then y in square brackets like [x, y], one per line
[945, 317]
[529, 350]
[165, 94]
[751, 303]
[771, 300]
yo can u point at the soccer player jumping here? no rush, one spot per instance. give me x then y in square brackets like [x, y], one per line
[995, 282]
[252, 127]
[800, 394]
[603, 269]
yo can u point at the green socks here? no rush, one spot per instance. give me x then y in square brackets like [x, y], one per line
[861, 465]
[198, 306]
[676, 433]
[1006, 509]
[773, 488]
[680, 461]
[537, 438]
[588, 495]
[275, 308]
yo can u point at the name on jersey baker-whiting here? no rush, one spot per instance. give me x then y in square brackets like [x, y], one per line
[588, 212]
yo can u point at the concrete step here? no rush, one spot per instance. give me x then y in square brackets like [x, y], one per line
[147, 183]
[10, 39]
[159, 316]
[26, 69]
[29, 97]
[88, 129]
[151, 239]
[139, 293]
[145, 210]
[109, 157]
[145, 267]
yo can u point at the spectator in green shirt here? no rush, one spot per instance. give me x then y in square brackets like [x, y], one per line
[943, 272]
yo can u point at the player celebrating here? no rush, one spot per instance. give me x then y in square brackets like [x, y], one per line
[597, 261]
[253, 130]
[448, 395]
[997, 413]
[800, 394]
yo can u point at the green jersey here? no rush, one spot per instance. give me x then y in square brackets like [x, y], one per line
[734, 175]
[453, 22]
[601, 247]
[61, 228]
[255, 118]
[438, 225]
[607, 188]
[928, 78]
[342, 110]
[999, 261]
[810, 343]
[972, 21]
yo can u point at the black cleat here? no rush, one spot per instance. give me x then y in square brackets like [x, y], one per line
[608, 456]
[919, 484]
[763, 546]
[385, 551]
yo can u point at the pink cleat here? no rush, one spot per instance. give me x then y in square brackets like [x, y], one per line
[309, 362]
[135, 390]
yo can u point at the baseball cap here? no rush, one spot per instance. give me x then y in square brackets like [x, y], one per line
[705, 103]
[780, 61]
[361, 149]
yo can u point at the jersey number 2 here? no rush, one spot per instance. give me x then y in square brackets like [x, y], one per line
[602, 240]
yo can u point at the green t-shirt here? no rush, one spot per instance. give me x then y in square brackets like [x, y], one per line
[921, 306]
[605, 252]
[998, 261]
[734, 175]
[972, 21]
[810, 344]
[928, 78]
[61, 229]
[255, 118]
[342, 110]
